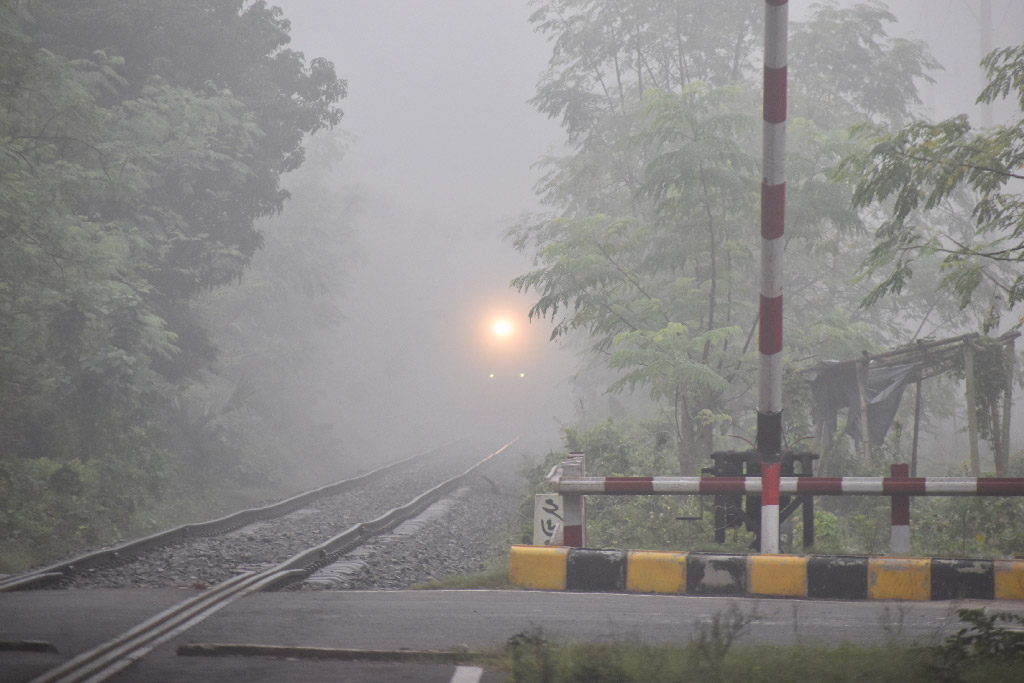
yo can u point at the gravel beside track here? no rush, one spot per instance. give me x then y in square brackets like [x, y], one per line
[456, 536]
[203, 562]
[460, 542]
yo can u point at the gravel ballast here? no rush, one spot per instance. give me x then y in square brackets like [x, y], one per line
[454, 538]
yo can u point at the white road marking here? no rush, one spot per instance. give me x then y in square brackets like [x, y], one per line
[467, 674]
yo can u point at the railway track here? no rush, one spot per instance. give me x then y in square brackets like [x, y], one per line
[107, 659]
[201, 554]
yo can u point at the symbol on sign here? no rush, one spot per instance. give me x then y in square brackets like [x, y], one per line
[551, 507]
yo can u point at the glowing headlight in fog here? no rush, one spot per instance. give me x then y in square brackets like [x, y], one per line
[502, 328]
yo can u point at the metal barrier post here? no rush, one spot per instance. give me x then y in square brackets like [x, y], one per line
[574, 505]
[770, 507]
[773, 227]
[900, 534]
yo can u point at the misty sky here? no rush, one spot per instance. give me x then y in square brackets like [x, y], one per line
[444, 143]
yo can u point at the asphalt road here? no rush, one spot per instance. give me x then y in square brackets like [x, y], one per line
[431, 620]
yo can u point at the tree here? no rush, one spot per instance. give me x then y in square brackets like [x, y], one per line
[141, 147]
[214, 79]
[950, 191]
[648, 249]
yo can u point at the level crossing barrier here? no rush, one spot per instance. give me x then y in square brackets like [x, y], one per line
[570, 481]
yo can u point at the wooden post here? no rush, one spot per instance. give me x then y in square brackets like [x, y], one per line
[862, 392]
[972, 412]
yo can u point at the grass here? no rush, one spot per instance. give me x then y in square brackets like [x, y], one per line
[628, 662]
[494, 576]
[24, 553]
[533, 659]
[491, 578]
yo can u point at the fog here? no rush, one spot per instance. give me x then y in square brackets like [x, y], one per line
[959, 33]
[443, 144]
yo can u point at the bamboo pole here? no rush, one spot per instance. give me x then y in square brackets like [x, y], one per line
[862, 393]
[917, 429]
[972, 412]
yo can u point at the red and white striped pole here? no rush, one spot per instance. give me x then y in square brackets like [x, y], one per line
[899, 534]
[773, 207]
[574, 515]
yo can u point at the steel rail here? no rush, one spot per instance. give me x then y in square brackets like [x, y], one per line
[53, 574]
[109, 658]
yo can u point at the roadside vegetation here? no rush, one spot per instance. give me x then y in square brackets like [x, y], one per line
[987, 648]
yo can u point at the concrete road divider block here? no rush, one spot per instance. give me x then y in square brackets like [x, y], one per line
[596, 570]
[834, 577]
[708, 574]
[542, 567]
[899, 578]
[656, 572]
[1009, 579]
[962, 579]
[777, 575]
[838, 577]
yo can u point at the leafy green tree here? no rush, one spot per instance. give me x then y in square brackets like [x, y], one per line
[649, 246]
[141, 148]
[76, 332]
[215, 83]
[136, 172]
[950, 194]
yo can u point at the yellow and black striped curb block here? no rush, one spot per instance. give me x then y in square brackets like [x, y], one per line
[818, 576]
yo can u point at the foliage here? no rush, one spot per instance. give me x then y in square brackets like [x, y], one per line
[989, 648]
[967, 527]
[984, 641]
[50, 505]
[949, 192]
[829, 534]
[140, 144]
[716, 637]
[533, 657]
[646, 252]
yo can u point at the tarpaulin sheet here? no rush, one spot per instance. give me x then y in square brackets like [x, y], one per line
[835, 388]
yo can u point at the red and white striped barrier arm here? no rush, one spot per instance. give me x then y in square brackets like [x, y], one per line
[815, 486]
